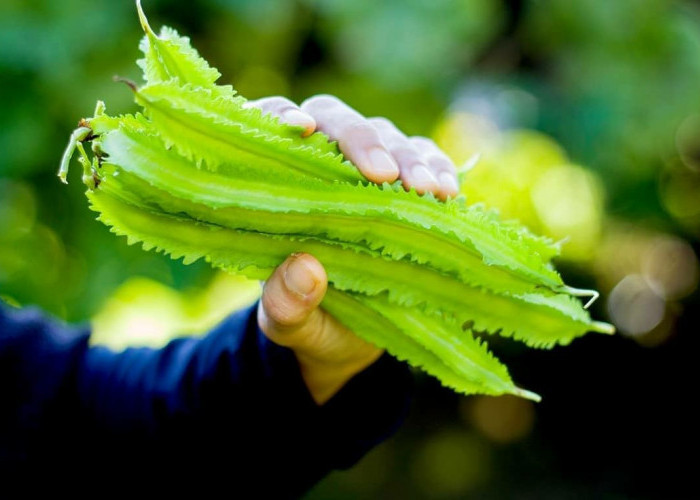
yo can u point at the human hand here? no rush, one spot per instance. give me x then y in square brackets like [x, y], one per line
[328, 353]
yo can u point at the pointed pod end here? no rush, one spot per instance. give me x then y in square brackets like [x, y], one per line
[470, 163]
[466, 167]
[523, 393]
[602, 327]
[144, 21]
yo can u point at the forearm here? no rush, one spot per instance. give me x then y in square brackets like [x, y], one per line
[179, 408]
[236, 391]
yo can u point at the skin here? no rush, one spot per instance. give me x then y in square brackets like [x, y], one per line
[329, 354]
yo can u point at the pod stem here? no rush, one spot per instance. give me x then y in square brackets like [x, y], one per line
[129, 83]
[582, 292]
[78, 135]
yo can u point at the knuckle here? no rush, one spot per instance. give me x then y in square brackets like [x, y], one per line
[278, 103]
[270, 99]
[389, 134]
[423, 142]
[407, 152]
[279, 313]
[432, 154]
[381, 123]
[359, 128]
[275, 104]
[272, 331]
[441, 163]
[315, 339]
[321, 101]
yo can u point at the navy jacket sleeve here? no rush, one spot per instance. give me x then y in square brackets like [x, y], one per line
[229, 409]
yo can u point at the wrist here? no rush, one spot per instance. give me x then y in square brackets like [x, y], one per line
[324, 378]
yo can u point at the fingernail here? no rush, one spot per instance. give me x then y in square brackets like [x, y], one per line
[423, 178]
[449, 183]
[382, 164]
[298, 278]
[298, 118]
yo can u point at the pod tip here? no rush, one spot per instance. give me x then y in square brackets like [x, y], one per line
[602, 327]
[144, 21]
[523, 393]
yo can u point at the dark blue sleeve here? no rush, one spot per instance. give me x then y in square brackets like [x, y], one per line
[229, 409]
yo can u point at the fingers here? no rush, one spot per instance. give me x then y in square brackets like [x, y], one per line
[357, 138]
[288, 312]
[380, 150]
[440, 164]
[414, 170]
[422, 164]
[286, 111]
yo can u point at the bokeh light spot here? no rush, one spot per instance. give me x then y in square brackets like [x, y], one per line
[569, 202]
[670, 267]
[688, 141]
[679, 189]
[144, 312]
[17, 209]
[635, 307]
[504, 419]
[451, 463]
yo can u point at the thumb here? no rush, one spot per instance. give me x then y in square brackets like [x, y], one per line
[288, 313]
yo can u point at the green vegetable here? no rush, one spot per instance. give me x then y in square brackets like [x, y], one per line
[200, 175]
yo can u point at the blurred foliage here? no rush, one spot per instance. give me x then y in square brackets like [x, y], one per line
[587, 119]
[145, 312]
[527, 176]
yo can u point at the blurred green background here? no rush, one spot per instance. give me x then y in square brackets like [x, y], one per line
[586, 117]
